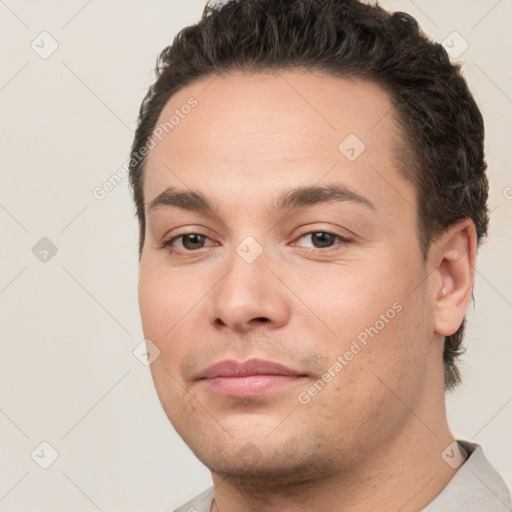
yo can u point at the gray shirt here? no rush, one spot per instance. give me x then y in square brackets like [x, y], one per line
[476, 487]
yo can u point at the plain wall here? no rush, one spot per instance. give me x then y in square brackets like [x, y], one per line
[69, 324]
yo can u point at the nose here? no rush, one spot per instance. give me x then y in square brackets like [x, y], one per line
[250, 295]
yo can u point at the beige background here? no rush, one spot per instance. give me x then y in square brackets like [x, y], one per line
[69, 324]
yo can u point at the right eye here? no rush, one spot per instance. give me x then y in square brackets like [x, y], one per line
[189, 242]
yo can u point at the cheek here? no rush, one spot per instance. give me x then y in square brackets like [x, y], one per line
[347, 299]
[154, 304]
[384, 366]
[165, 296]
[161, 308]
[171, 307]
[376, 314]
[160, 311]
[395, 349]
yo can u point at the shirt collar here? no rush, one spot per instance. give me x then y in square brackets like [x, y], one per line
[476, 487]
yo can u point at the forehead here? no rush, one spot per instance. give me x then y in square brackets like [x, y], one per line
[263, 131]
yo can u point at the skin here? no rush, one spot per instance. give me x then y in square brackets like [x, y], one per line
[372, 437]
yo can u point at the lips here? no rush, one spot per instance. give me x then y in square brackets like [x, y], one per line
[230, 368]
[251, 378]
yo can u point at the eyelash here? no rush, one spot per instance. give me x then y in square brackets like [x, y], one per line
[343, 240]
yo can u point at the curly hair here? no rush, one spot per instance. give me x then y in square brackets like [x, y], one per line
[442, 146]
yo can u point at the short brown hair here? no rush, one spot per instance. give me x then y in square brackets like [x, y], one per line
[443, 131]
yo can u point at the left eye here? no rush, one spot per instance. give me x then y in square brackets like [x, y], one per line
[323, 239]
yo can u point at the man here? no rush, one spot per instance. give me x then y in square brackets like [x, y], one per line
[310, 183]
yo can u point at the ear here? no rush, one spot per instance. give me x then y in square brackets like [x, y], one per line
[453, 257]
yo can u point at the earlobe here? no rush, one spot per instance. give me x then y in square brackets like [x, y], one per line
[454, 255]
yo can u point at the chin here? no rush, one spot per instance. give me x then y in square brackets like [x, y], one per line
[284, 460]
[251, 469]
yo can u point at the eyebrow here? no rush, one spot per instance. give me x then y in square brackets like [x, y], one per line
[293, 198]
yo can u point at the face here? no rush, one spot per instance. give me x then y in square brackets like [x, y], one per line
[288, 296]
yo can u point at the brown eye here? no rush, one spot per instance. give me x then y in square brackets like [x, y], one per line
[192, 240]
[189, 242]
[323, 239]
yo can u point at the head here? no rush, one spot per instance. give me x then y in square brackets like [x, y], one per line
[337, 100]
